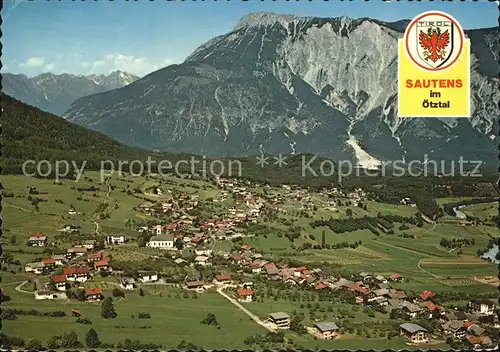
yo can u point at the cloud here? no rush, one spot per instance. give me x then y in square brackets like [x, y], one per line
[50, 67]
[140, 66]
[33, 62]
[106, 64]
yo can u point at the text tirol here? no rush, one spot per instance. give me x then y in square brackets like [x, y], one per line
[423, 93]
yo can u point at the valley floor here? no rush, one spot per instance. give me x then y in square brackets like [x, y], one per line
[276, 223]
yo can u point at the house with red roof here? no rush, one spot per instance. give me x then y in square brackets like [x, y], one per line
[102, 265]
[396, 295]
[93, 294]
[246, 247]
[257, 265]
[298, 271]
[222, 224]
[358, 289]
[271, 269]
[431, 307]
[197, 240]
[59, 282]
[49, 263]
[320, 286]
[245, 294]
[221, 278]
[396, 278]
[94, 257]
[170, 227]
[425, 295]
[77, 273]
[37, 240]
[237, 259]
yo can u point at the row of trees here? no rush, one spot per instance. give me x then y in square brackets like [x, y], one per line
[457, 242]
[365, 223]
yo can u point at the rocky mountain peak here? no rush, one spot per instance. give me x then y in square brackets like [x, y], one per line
[256, 19]
[55, 92]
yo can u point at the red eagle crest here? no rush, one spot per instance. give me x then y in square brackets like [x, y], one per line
[434, 42]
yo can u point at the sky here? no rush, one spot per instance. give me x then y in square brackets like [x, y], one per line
[142, 36]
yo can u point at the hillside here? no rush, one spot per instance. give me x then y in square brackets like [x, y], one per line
[31, 134]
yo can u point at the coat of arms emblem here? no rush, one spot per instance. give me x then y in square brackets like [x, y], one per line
[435, 42]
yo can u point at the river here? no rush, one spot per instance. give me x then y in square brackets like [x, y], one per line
[491, 254]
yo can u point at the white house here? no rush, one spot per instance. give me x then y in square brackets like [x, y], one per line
[36, 268]
[89, 244]
[37, 240]
[203, 251]
[116, 239]
[482, 306]
[162, 241]
[59, 282]
[202, 260]
[77, 273]
[148, 276]
[127, 284]
[44, 294]
[157, 230]
[60, 259]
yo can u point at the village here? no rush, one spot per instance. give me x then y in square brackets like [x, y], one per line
[190, 242]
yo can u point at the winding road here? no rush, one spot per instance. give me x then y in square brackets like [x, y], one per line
[19, 289]
[246, 311]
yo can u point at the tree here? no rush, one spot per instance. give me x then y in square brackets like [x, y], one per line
[141, 292]
[323, 238]
[100, 245]
[118, 293]
[54, 342]
[250, 340]
[92, 339]
[142, 241]
[70, 340]
[210, 320]
[107, 309]
[348, 212]
[179, 243]
[33, 344]
[80, 295]
[297, 326]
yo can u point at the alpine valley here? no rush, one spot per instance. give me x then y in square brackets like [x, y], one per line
[54, 93]
[287, 84]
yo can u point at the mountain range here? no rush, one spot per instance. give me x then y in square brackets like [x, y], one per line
[55, 93]
[287, 84]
